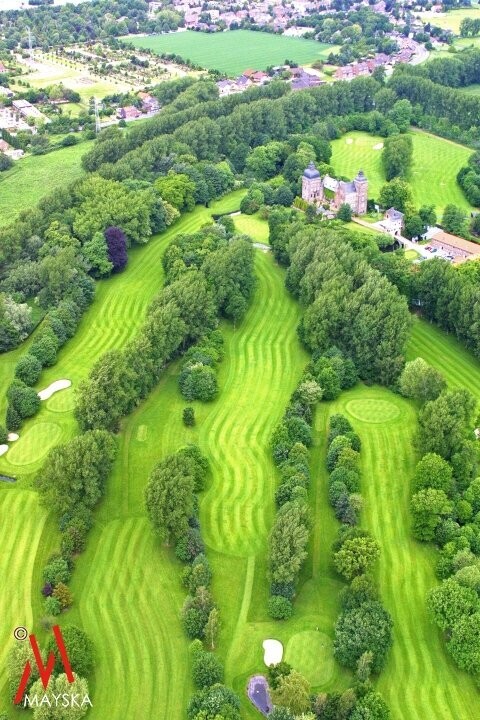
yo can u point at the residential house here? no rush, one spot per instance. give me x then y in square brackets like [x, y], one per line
[27, 110]
[393, 222]
[6, 92]
[150, 103]
[128, 113]
[10, 151]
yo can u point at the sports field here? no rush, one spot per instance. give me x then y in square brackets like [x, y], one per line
[234, 51]
[433, 176]
[32, 177]
[127, 588]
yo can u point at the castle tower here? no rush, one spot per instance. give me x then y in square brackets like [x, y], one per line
[312, 186]
[361, 187]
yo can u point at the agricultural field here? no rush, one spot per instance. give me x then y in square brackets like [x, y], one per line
[452, 19]
[435, 166]
[32, 177]
[234, 51]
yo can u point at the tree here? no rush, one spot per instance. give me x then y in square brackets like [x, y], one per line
[396, 193]
[450, 601]
[74, 474]
[212, 627]
[288, 540]
[420, 381]
[169, 497]
[28, 369]
[454, 220]
[52, 606]
[429, 506]
[117, 248]
[188, 416]
[397, 156]
[401, 114]
[45, 347]
[198, 382]
[214, 703]
[6, 162]
[293, 693]
[195, 613]
[79, 649]
[363, 629]
[356, 556]
[178, 190]
[97, 256]
[464, 643]
[23, 399]
[432, 471]
[371, 707]
[60, 687]
[207, 669]
[344, 212]
[279, 607]
[446, 422]
[428, 214]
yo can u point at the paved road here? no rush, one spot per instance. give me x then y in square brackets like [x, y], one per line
[407, 244]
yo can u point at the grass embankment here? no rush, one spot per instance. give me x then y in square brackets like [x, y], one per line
[32, 177]
[234, 51]
[28, 535]
[436, 163]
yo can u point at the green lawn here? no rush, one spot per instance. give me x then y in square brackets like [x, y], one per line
[436, 163]
[254, 226]
[32, 177]
[234, 51]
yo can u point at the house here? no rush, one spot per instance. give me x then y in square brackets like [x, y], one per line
[455, 246]
[11, 152]
[27, 110]
[150, 103]
[6, 92]
[393, 222]
[335, 193]
[128, 113]
[259, 77]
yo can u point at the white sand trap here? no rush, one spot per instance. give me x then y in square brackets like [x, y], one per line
[349, 141]
[53, 388]
[3, 449]
[12, 437]
[378, 146]
[273, 652]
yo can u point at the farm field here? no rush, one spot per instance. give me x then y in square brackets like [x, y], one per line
[127, 588]
[32, 177]
[435, 166]
[234, 51]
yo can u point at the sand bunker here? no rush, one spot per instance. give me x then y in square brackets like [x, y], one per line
[12, 437]
[3, 449]
[378, 146]
[53, 388]
[349, 141]
[273, 652]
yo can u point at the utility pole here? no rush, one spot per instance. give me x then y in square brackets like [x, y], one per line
[30, 43]
[97, 117]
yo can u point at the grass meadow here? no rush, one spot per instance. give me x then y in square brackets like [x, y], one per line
[32, 177]
[234, 51]
[450, 20]
[433, 175]
[127, 587]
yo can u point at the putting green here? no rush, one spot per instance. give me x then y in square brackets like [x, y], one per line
[35, 443]
[63, 401]
[373, 411]
[310, 652]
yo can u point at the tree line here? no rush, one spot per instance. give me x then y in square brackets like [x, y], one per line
[445, 506]
[171, 499]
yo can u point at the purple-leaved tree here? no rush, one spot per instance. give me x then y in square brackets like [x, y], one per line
[117, 248]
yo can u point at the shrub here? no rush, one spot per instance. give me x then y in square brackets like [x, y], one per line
[279, 607]
[188, 416]
[79, 648]
[336, 446]
[63, 595]
[207, 669]
[57, 571]
[3, 434]
[28, 369]
[117, 248]
[52, 606]
[13, 419]
[47, 589]
[23, 399]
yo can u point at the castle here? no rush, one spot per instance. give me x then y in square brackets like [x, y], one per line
[352, 193]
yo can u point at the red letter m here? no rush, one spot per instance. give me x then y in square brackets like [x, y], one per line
[45, 671]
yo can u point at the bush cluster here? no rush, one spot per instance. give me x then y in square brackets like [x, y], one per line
[198, 378]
